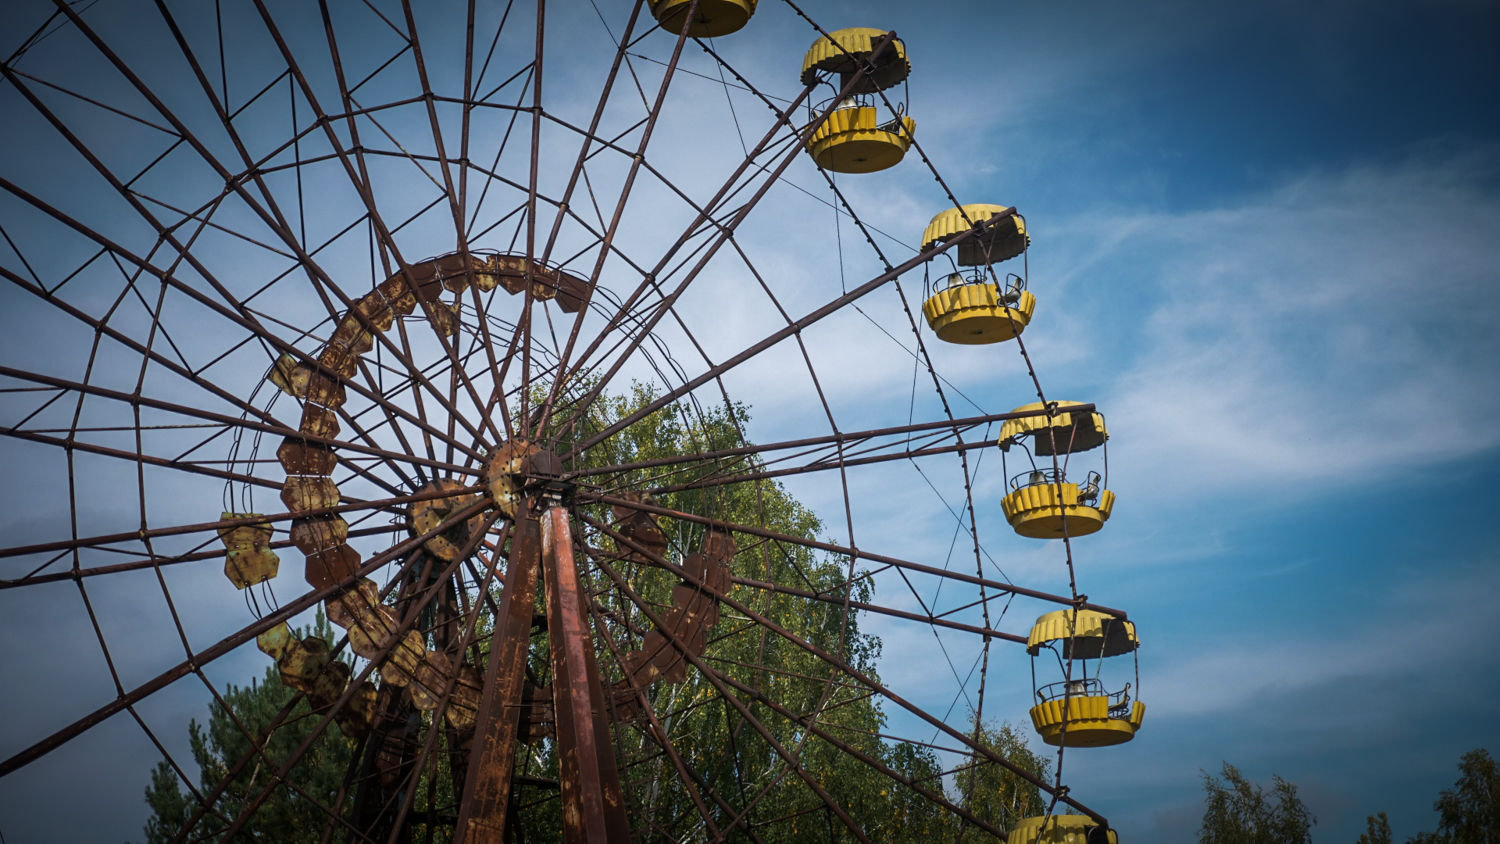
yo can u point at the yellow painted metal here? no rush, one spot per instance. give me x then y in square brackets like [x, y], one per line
[289, 376]
[852, 141]
[1059, 829]
[463, 706]
[319, 534]
[319, 422]
[712, 19]
[429, 678]
[276, 640]
[445, 317]
[371, 624]
[429, 514]
[1002, 241]
[349, 341]
[972, 314]
[309, 493]
[400, 667]
[842, 51]
[358, 714]
[1088, 720]
[302, 661]
[248, 558]
[1038, 512]
[1075, 431]
[503, 474]
[1085, 634]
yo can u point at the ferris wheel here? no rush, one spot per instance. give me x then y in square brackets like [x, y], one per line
[449, 325]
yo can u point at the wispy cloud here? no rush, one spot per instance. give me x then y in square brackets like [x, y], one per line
[1331, 329]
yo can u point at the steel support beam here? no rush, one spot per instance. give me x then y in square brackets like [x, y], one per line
[593, 805]
[486, 796]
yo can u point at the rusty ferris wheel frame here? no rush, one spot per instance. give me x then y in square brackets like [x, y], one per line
[528, 325]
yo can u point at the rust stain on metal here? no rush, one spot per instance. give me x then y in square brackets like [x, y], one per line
[504, 475]
[290, 376]
[275, 640]
[309, 493]
[305, 458]
[593, 806]
[248, 558]
[427, 515]
[463, 705]
[639, 526]
[302, 661]
[400, 666]
[486, 796]
[547, 283]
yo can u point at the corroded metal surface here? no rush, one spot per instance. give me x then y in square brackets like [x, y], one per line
[593, 806]
[248, 558]
[486, 795]
[513, 272]
[378, 416]
[428, 516]
[505, 475]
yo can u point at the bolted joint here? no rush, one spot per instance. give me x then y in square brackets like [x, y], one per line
[544, 476]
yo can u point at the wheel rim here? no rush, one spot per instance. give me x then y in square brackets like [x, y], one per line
[412, 412]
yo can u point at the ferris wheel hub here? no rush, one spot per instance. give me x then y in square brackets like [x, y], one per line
[519, 467]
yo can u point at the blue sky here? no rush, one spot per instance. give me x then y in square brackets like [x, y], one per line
[1263, 243]
[1277, 254]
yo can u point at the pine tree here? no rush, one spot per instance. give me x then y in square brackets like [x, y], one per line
[289, 813]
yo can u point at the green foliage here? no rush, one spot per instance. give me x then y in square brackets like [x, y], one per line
[781, 684]
[1238, 811]
[288, 814]
[1469, 812]
[711, 736]
[708, 732]
[994, 794]
[1377, 830]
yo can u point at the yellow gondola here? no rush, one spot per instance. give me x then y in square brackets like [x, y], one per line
[712, 19]
[1061, 829]
[1000, 242]
[971, 309]
[855, 138]
[1080, 711]
[1042, 502]
[1068, 433]
[1046, 506]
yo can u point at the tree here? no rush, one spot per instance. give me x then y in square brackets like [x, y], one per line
[993, 793]
[1469, 813]
[1240, 812]
[782, 685]
[288, 813]
[1377, 830]
[708, 732]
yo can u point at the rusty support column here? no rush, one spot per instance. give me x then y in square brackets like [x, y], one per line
[593, 805]
[486, 796]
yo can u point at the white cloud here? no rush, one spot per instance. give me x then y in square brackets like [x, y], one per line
[1336, 328]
